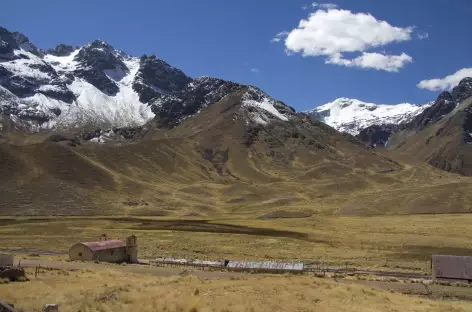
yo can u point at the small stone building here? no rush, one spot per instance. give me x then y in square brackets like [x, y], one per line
[106, 251]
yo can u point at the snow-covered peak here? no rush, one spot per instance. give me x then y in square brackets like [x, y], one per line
[61, 50]
[99, 45]
[70, 87]
[351, 115]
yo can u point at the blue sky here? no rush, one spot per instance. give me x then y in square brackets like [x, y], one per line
[231, 39]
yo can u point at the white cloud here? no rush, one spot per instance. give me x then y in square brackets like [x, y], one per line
[333, 32]
[255, 70]
[324, 6]
[305, 7]
[422, 35]
[390, 63]
[446, 83]
[338, 31]
[280, 36]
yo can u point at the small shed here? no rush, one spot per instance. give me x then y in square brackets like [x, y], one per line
[107, 251]
[451, 267]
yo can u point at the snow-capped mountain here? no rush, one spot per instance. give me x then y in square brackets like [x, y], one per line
[77, 86]
[352, 116]
[99, 86]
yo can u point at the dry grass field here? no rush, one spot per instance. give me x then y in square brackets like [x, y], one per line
[111, 290]
[401, 242]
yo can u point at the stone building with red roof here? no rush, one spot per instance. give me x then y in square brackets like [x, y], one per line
[106, 251]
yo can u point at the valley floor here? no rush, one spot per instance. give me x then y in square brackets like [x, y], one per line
[400, 243]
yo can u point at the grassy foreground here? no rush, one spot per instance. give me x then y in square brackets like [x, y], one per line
[382, 242]
[106, 291]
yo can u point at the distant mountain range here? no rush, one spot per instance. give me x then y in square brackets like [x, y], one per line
[91, 129]
[86, 130]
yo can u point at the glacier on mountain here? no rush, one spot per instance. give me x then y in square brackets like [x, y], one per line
[352, 116]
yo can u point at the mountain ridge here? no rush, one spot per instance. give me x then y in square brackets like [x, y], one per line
[198, 146]
[99, 87]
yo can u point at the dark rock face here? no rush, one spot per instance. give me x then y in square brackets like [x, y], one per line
[446, 103]
[5, 49]
[53, 86]
[13, 41]
[171, 109]
[155, 77]
[443, 106]
[100, 55]
[377, 135]
[115, 134]
[19, 86]
[98, 79]
[129, 133]
[59, 92]
[94, 59]
[463, 90]
[7, 44]
[61, 50]
[8, 103]
[25, 43]
[467, 125]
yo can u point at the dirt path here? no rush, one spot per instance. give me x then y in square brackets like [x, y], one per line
[132, 268]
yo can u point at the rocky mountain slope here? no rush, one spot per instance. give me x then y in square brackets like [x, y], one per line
[379, 135]
[442, 134]
[353, 116]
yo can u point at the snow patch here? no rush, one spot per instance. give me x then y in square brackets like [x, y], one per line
[24, 66]
[62, 63]
[267, 105]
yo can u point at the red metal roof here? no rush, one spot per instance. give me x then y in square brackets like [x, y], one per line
[101, 245]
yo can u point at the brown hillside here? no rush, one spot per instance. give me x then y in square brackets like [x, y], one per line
[445, 144]
[214, 162]
[253, 152]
